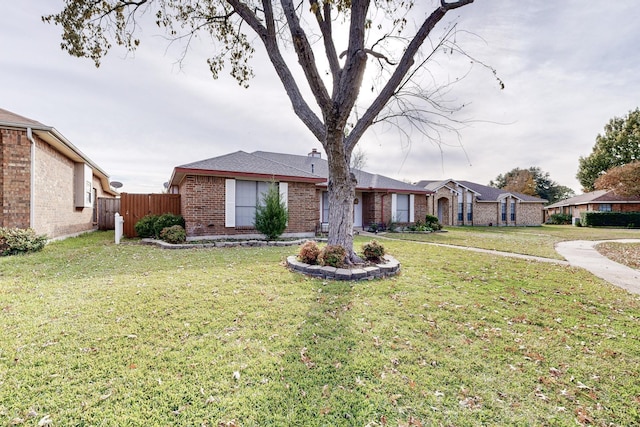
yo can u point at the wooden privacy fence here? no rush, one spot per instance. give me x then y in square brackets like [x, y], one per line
[135, 206]
[107, 207]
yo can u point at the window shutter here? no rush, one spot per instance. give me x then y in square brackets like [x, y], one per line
[412, 204]
[394, 206]
[284, 193]
[230, 203]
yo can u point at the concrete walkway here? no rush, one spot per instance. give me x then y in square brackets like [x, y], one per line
[578, 253]
[582, 253]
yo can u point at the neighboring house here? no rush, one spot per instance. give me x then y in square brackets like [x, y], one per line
[468, 203]
[599, 201]
[46, 183]
[219, 195]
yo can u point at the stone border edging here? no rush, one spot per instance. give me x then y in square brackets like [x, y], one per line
[222, 244]
[390, 268]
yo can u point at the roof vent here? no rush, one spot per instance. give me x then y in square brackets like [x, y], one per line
[315, 153]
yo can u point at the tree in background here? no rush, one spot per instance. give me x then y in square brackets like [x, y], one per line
[333, 41]
[619, 145]
[532, 182]
[623, 180]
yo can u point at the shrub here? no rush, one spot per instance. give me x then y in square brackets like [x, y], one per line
[272, 215]
[373, 251]
[145, 226]
[309, 252]
[609, 219]
[174, 234]
[392, 226]
[432, 222]
[559, 219]
[167, 220]
[332, 255]
[152, 225]
[15, 241]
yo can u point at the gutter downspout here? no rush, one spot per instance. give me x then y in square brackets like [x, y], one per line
[32, 197]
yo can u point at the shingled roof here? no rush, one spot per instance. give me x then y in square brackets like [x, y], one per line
[484, 193]
[598, 196]
[280, 166]
[55, 139]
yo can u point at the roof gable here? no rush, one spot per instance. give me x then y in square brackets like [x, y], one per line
[483, 193]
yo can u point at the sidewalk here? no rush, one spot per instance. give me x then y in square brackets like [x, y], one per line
[582, 253]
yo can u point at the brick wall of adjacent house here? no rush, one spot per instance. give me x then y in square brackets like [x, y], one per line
[54, 211]
[15, 181]
[203, 208]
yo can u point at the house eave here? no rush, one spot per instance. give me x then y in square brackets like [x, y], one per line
[180, 173]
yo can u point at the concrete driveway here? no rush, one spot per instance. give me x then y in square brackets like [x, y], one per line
[582, 253]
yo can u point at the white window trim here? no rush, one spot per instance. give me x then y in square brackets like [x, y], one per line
[284, 193]
[412, 208]
[394, 206]
[230, 203]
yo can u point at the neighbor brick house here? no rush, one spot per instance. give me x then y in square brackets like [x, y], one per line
[595, 201]
[467, 203]
[46, 183]
[219, 195]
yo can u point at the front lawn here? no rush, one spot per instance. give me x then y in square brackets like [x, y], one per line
[536, 241]
[97, 334]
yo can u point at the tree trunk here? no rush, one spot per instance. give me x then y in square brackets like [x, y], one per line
[342, 193]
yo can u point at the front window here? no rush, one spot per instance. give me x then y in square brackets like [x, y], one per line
[469, 207]
[249, 194]
[402, 208]
[460, 207]
[503, 209]
[605, 207]
[513, 210]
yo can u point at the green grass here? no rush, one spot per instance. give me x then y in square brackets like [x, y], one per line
[536, 241]
[94, 334]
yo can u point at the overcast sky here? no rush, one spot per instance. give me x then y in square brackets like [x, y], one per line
[568, 68]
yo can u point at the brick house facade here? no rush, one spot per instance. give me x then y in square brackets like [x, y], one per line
[458, 203]
[46, 183]
[213, 193]
[595, 201]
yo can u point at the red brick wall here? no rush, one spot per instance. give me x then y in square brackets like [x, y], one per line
[15, 185]
[203, 208]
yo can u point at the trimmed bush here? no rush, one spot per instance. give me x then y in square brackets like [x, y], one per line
[610, 219]
[332, 255]
[174, 234]
[373, 251]
[309, 252]
[167, 220]
[146, 226]
[15, 241]
[272, 216]
[559, 219]
[152, 225]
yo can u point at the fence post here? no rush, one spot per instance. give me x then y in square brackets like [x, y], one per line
[119, 223]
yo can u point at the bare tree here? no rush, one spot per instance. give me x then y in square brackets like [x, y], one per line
[90, 26]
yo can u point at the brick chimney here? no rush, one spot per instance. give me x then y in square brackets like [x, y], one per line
[315, 153]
